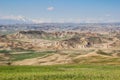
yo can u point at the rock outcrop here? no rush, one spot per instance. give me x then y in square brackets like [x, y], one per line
[57, 40]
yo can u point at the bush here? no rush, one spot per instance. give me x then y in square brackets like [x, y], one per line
[4, 51]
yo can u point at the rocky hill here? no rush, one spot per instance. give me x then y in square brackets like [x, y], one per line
[68, 46]
[58, 40]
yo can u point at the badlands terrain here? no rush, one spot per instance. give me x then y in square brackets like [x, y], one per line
[50, 44]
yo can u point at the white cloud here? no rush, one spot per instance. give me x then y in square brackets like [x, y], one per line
[60, 20]
[23, 19]
[12, 17]
[51, 8]
[36, 21]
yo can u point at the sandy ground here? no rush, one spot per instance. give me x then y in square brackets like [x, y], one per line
[50, 60]
[55, 59]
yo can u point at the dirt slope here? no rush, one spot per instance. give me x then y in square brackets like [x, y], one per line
[50, 60]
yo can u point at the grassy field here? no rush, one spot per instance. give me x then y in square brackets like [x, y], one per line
[21, 55]
[97, 70]
[60, 72]
[29, 54]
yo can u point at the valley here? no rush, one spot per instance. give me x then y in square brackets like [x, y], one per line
[37, 47]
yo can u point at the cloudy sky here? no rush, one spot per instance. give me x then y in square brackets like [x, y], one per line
[78, 11]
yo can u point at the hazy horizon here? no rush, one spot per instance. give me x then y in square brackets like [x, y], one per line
[59, 11]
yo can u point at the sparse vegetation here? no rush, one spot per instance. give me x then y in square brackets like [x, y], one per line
[29, 54]
[59, 40]
[103, 53]
[77, 52]
[5, 51]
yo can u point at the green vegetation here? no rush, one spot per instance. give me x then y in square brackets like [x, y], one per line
[16, 55]
[4, 51]
[60, 72]
[103, 53]
[29, 54]
[95, 40]
[97, 60]
[56, 38]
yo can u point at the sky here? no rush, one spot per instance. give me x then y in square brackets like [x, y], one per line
[61, 11]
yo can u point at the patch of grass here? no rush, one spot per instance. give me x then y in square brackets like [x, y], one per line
[60, 72]
[97, 60]
[107, 61]
[103, 53]
[29, 54]
[58, 38]
[5, 51]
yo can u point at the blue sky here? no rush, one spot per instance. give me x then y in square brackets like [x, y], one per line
[61, 10]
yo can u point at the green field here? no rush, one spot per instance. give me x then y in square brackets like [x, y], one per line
[97, 70]
[60, 72]
[29, 54]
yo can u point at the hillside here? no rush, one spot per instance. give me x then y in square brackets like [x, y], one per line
[62, 40]
[63, 47]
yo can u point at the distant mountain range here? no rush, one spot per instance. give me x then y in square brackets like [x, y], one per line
[52, 27]
[8, 20]
[15, 20]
